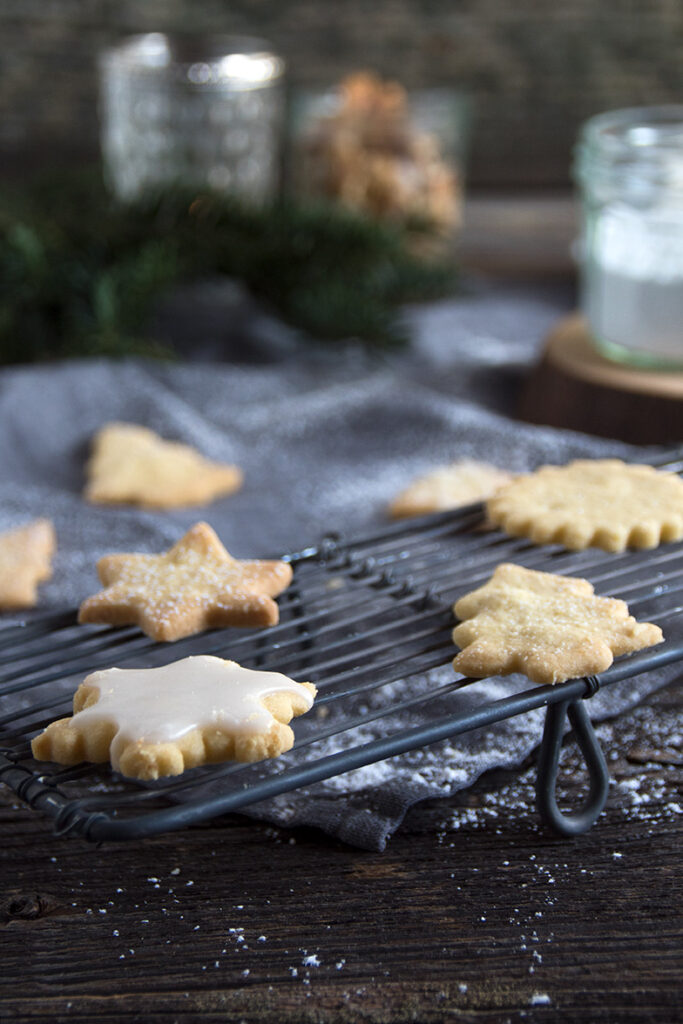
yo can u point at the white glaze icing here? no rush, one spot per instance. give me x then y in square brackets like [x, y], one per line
[159, 705]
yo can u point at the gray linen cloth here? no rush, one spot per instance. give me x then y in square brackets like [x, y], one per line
[325, 438]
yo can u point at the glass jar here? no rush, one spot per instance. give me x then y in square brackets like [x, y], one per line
[190, 111]
[629, 166]
[381, 151]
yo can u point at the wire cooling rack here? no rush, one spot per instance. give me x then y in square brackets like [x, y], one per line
[361, 617]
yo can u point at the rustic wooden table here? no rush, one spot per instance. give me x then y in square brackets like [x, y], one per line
[473, 913]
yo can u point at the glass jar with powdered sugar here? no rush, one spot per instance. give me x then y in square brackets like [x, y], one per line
[630, 169]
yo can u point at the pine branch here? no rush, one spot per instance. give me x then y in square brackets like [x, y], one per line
[80, 274]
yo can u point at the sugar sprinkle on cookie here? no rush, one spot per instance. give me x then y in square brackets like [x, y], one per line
[550, 628]
[194, 586]
[157, 722]
[25, 561]
[603, 503]
[446, 487]
[133, 465]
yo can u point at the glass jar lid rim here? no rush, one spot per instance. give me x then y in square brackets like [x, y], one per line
[634, 129]
[161, 51]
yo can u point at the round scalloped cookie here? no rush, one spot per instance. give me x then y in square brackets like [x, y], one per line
[603, 503]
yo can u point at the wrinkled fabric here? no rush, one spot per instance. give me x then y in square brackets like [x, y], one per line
[325, 438]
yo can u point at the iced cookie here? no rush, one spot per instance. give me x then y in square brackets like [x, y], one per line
[194, 586]
[133, 465]
[155, 722]
[446, 487]
[25, 561]
[551, 628]
[602, 503]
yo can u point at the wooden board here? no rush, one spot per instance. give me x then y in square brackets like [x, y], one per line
[575, 386]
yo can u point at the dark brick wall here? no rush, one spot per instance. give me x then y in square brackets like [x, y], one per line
[534, 68]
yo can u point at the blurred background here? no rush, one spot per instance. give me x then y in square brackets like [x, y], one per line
[452, 125]
[534, 70]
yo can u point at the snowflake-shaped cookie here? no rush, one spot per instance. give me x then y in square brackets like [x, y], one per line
[25, 561]
[133, 465]
[160, 721]
[551, 628]
[603, 503]
[194, 586]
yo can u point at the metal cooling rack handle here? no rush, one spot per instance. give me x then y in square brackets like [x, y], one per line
[548, 763]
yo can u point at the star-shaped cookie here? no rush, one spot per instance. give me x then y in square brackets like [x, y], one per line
[194, 586]
[25, 561]
[133, 465]
[551, 628]
[604, 503]
[155, 722]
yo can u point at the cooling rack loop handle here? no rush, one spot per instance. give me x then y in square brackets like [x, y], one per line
[548, 762]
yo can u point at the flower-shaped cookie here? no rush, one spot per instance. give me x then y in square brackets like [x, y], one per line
[160, 721]
[602, 503]
[551, 628]
[194, 586]
[133, 465]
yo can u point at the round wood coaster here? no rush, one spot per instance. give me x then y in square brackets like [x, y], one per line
[575, 386]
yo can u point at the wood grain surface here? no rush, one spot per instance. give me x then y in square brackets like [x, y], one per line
[473, 913]
[575, 386]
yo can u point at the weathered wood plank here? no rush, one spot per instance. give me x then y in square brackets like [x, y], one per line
[472, 914]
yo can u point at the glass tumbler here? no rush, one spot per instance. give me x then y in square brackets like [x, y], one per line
[390, 154]
[191, 111]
